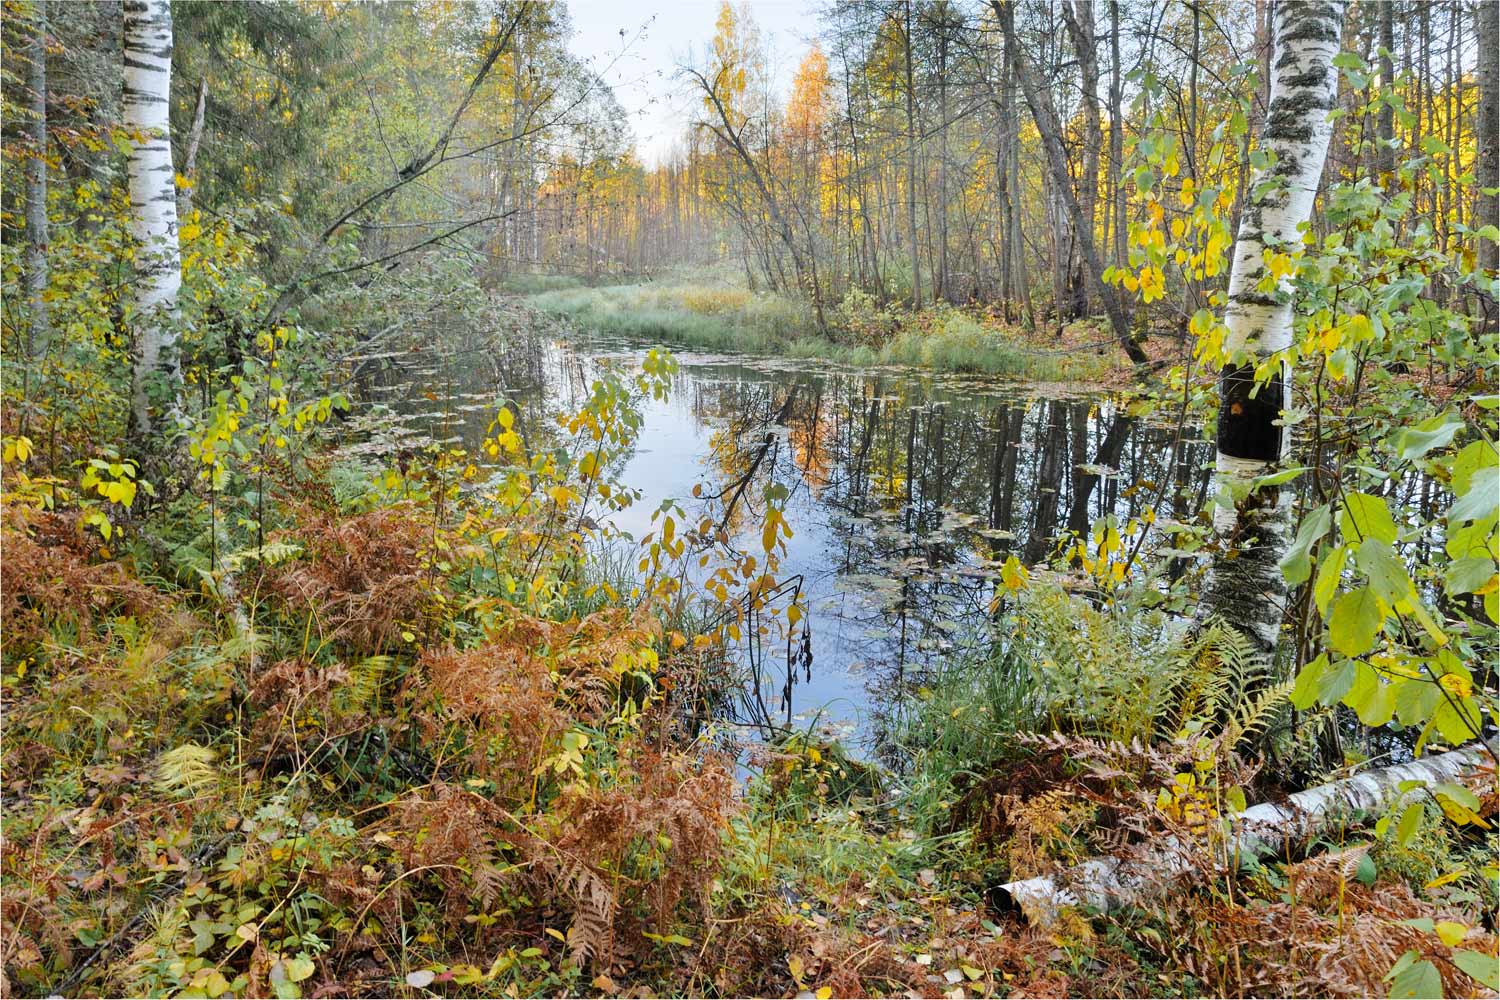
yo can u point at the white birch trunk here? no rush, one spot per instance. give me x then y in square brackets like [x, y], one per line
[1245, 585]
[39, 332]
[1260, 831]
[156, 376]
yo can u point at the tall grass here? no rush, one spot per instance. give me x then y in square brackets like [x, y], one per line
[721, 318]
[961, 725]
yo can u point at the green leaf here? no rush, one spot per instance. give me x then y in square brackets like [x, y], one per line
[1330, 573]
[1415, 700]
[1336, 682]
[1436, 432]
[1144, 178]
[1355, 622]
[1481, 500]
[1480, 967]
[1366, 516]
[1458, 793]
[1309, 681]
[1418, 980]
[1387, 573]
[1370, 697]
[1473, 457]
[1366, 872]
[1466, 575]
[1456, 724]
[1276, 478]
[1296, 566]
[1411, 821]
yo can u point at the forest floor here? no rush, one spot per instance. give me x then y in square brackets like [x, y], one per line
[384, 773]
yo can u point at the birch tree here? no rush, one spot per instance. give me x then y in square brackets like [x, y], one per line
[153, 201]
[1245, 585]
[39, 332]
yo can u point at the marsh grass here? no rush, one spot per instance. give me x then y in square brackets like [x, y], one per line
[719, 317]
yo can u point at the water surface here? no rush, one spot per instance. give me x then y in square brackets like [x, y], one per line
[907, 491]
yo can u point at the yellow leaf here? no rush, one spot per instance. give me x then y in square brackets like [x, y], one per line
[1441, 880]
[1013, 575]
[824, 992]
[1451, 932]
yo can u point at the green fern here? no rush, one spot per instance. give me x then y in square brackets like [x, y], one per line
[361, 690]
[1133, 674]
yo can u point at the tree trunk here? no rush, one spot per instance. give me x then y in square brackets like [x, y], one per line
[190, 161]
[39, 332]
[1260, 831]
[1245, 585]
[911, 166]
[1079, 17]
[1116, 134]
[1385, 157]
[1487, 168]
[1051, 132]
[153, 201]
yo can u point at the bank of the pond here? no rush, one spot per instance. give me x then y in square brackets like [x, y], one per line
[717, 317]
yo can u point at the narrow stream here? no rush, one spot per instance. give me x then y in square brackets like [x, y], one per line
[908, 489]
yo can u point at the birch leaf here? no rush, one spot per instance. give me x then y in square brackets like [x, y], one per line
[1482, 968]
[1365, 516]
[1336, 682]
[1436, 432]
[1481, 500]
[1355, 622]
[1387, 573]
[1415, 700]
[1419, 979]
[1372, 699]
[1296, 566]
[1305, 692]
[1411, 819]
[1330, 572]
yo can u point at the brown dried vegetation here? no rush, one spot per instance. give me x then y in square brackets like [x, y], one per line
[362, 578]
[54, 571]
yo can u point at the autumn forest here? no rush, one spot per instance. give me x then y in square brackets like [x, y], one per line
[788, 498]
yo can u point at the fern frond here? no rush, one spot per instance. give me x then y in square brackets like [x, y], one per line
[186, 770]
[1256, 713]
[269, 554]
[360, 691]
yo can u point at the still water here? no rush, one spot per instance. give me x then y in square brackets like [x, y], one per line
[908, 490]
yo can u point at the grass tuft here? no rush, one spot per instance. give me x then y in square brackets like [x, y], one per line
[713, 317]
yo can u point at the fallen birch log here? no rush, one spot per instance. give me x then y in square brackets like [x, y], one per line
[1260, 831]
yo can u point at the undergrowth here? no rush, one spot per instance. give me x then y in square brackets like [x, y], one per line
[427, 728]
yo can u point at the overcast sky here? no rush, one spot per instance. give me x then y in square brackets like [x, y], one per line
[658, 35]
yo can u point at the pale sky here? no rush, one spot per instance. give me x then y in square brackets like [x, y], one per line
[660, 34]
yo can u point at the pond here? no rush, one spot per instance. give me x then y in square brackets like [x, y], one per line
[908, 490]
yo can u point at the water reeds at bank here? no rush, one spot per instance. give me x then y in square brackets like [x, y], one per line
[712, 317]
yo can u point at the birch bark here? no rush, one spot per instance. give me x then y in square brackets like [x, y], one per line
[155, 375]
[1261, 831]
[1245, 586]
[39, 333]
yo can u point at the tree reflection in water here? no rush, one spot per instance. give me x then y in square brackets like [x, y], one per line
[908, 490]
